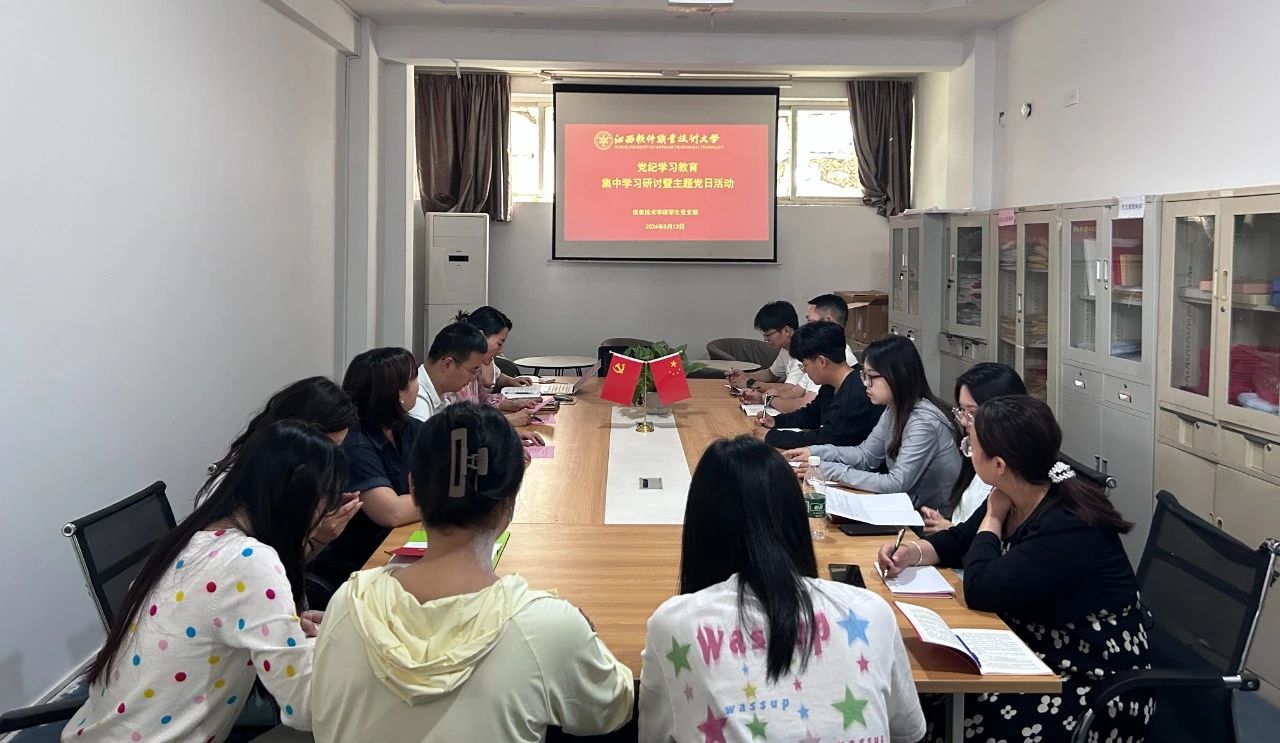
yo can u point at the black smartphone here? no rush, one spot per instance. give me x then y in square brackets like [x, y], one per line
[845, 573]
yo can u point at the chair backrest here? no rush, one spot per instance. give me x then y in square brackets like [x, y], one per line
[742, 349]
[610, 346]
[113, 544]
[506, 366]
[1103, 481]
[1204, 589]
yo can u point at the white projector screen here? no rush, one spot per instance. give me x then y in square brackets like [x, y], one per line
[665, 173]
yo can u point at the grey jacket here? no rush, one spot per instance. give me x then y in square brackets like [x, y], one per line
[926, 467]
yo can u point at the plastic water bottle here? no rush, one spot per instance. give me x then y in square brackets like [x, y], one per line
[815, 499]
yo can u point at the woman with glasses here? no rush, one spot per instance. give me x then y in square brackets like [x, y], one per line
[1044, 554]
[980, 383]
[914, 438]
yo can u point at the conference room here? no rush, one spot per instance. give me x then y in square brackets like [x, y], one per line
[662, 370]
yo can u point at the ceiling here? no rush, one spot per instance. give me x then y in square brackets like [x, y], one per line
[931, 18]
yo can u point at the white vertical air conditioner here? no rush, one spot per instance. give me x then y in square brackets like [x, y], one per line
[457, 267]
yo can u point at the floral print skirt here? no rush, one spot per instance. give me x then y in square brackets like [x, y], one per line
[1083, 653]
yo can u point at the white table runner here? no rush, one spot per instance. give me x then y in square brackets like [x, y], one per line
[633, 455]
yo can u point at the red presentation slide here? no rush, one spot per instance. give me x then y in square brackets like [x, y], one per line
[650, 182]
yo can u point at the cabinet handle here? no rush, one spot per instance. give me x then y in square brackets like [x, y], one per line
[1097, 270]
[1104, 466]
[1256, 440]
[1078, 383]
[1097, 462]
[1019, 305]
[1219, 523]
[1124, 397]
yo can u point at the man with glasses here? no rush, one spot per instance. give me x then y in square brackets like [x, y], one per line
[841, 414]
[455, 357]
[784, 386]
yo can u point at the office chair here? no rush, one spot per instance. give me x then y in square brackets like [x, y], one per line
[112, 545]
[1205, 590]
[746, 350]
[610, 346]
[1104, 481]
[508, 367]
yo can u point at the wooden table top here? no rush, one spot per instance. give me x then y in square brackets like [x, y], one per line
[619, 573]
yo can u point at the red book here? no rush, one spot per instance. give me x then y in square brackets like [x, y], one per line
[620, 381]
[669, 379]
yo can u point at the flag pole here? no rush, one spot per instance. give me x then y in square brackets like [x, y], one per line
[645, 426]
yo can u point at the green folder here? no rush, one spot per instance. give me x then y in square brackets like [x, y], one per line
[419, 539]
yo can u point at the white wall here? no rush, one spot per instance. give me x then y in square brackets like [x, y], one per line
[570, 307]
[168, 212]
[931, 141]
[1175, 95]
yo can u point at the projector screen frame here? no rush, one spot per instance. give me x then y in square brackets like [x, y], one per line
[674, 89]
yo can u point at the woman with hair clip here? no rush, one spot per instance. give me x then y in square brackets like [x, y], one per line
[1045, 554]
[914, 438]
[217, 603]
[756, 645]
[383, 384]
[323, 404]
[980, 383]
[444, 649]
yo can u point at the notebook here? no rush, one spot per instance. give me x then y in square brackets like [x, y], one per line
[754, 410]
[553, 388]
[990, 651]
[416, 547]
[924, 581]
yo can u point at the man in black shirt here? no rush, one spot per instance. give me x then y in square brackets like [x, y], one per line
[841, 414]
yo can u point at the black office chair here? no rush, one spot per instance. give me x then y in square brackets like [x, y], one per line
[747, 350]
[112, 545]
[1205, 591]
[1097, 477]
[610, 346]
[507, 367]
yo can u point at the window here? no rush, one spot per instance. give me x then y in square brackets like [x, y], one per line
[816, 160]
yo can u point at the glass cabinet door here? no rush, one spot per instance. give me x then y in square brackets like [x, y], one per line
[1250, 296]
[1035, 308]
[964, 304]
[1186, 368]
[913, 271]
[1007, 288]
[1084, 285]
[899, 268]
[1123, 276]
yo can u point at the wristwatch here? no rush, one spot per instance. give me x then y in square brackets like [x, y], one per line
[751, 382]
[768, 398]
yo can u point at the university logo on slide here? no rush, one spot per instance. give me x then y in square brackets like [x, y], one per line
[604, 140]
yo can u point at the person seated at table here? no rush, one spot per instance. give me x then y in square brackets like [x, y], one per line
[216, 605]
[979, 383]
[453, 361]
[1044, 554]
[914, 438]
[784, 381]
[444, 649]
[485, 387]
[756, 645]
[831, 308]
[323, 404]
[841, 414]
[383, 383]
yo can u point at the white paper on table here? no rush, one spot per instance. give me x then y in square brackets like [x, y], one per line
[1002, 652]
[882, 509]
[531, 392]
[924, 580]
[754, 410]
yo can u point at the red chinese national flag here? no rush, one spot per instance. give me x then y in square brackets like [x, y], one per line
[669, 379]
[620, 380]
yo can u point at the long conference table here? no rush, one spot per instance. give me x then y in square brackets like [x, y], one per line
[619, 573]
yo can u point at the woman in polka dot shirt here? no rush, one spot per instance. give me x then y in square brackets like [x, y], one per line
[214, 607]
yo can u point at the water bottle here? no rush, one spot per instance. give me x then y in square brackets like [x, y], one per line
[815, 499]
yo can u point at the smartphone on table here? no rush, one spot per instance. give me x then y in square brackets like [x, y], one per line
[845, 573]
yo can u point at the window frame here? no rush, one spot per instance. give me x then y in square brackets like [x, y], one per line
[546, 191]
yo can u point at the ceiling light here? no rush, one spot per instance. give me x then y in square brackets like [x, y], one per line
[700, 6]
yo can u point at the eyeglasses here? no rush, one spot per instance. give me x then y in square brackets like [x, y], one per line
[769, 334]
[868, 379]
[963, 417]
[471, 371]
[966, 448]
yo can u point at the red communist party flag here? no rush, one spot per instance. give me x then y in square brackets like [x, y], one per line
[669, 379]
[620, 380]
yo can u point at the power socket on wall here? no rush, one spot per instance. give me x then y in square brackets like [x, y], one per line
[1071, 97]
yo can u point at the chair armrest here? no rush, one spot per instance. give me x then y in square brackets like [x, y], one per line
[1131, 681]
[40, 714]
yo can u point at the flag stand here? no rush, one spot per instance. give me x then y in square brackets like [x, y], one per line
[645, 426]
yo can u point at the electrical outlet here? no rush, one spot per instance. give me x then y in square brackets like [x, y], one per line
[1071, 97]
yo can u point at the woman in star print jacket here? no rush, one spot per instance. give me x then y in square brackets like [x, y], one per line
[756, 646]
[216, 604]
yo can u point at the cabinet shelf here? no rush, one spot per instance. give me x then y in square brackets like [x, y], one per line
[1116, 300]
[1234, 304]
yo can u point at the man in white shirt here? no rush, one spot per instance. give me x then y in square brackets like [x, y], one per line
[455, 356]
[784, 386]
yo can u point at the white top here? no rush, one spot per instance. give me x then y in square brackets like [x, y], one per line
[971, 500]
[788, 369]
[222, 616]
[704, 672]
[429, 401]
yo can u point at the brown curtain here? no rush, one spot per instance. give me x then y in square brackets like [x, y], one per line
[463, 128]
[881, 112]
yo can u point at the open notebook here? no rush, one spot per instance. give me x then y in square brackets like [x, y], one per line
[990, 651]
[924, 581]
[550, 388]
[416, 547]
